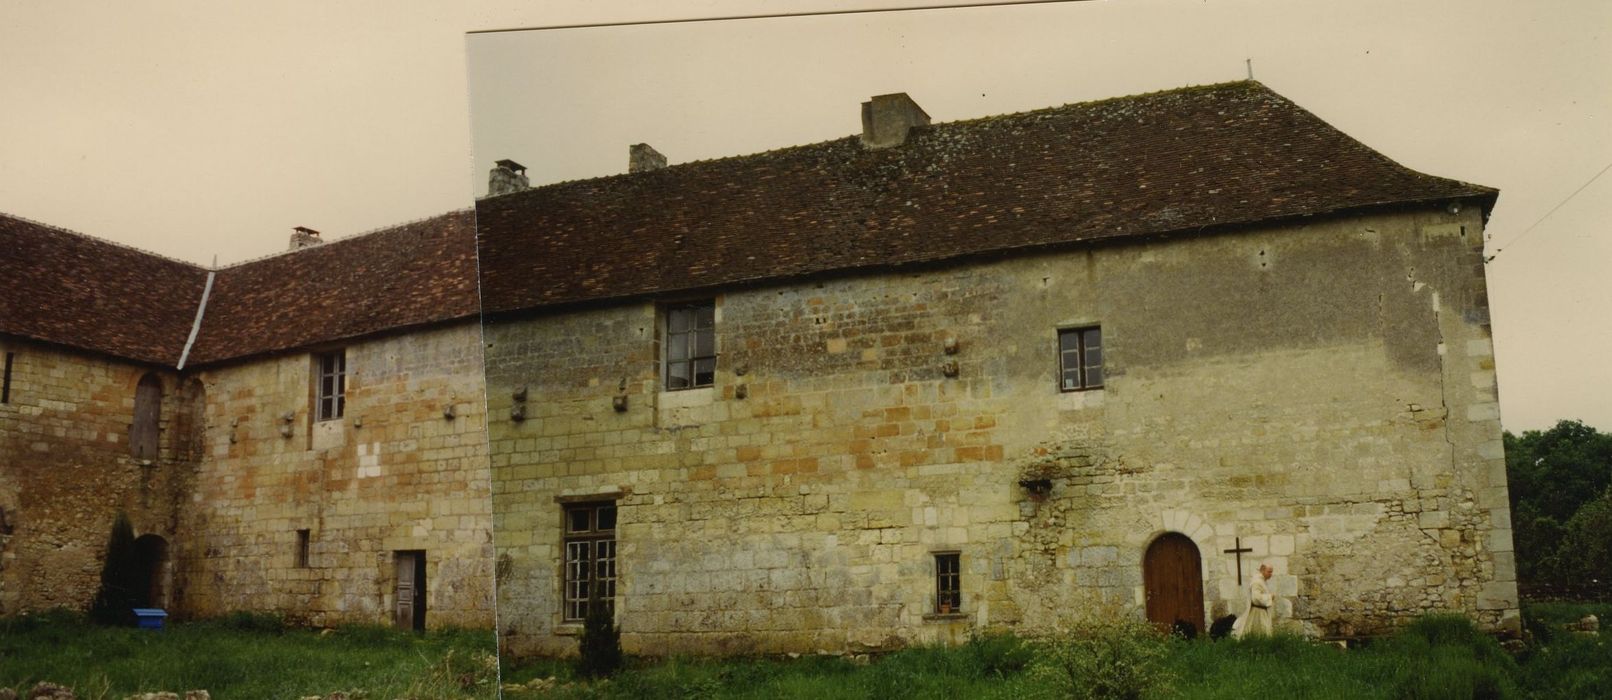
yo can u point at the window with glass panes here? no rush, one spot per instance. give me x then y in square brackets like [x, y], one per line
[1080, 358]
[330, 391]
[948, 582]
[690, 357]
[590, 557]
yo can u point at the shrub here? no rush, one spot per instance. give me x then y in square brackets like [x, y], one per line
[1449, 657]
[121, 578]
[1122, 658]
[999, 654]
[601, 643]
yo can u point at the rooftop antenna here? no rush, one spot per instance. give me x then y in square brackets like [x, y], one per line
[1250, 63]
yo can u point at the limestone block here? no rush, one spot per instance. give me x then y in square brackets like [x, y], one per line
[1281, 545]
[1432, 519]
[1499, 540]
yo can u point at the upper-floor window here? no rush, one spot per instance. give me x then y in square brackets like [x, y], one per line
[690, 358]
[330, 388]
[1080, 358]
[147, 425]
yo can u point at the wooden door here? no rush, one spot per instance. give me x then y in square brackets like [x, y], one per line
[410, 612]
[1172, 574]
[145, 429]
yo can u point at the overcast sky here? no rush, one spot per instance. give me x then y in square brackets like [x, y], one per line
[194, 129]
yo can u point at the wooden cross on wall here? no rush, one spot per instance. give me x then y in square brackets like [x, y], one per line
[1238, 550]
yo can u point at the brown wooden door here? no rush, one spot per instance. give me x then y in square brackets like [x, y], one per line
[1173, 576]
[410, 612]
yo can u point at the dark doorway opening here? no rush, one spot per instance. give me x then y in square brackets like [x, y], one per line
[151, 559]
[410, 612]
[1172, 574]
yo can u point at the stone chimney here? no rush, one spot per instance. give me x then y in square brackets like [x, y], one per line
[886, 119]
[642, 159]
[304, 237]
[507, 176]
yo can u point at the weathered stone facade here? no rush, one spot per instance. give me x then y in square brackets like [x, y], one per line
[1322, 391]
[185, 398]
[403, 470]
[66, 469]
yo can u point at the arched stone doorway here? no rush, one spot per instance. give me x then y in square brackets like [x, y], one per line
[1172, 574]
[151, 559]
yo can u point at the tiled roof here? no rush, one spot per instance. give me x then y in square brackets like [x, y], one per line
[70, 289]
[418, 273]
[1170, 162]
[78, 291]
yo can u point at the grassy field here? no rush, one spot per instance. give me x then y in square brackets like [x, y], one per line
[256, 657]
[245, 656]
[1436, 658]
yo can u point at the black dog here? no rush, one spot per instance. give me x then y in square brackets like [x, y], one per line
[1222, 627]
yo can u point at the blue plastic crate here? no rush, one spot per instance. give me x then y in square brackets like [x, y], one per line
[149, 618]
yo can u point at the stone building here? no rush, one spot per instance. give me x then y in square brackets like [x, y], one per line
[302, 433]
[1003, 372]
[892, 388]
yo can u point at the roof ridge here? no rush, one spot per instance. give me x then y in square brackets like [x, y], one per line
[98, 239]
[346, 238]
[958, 122]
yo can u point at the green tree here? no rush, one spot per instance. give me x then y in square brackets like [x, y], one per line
[121, 578]
[1586, 550]
[1551, 475]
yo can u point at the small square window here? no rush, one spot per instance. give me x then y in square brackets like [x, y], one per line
[948, 582]
[330, 385]
[689, 359]
[590, 557]
[1080, 359]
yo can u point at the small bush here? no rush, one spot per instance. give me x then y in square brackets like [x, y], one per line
[121, 578]
[1000, 654]
[1446, 656]
[1121, 658]
[601, 643]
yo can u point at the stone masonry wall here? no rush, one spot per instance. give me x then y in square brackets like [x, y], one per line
[66, 471]
[395, 473]
[1322, 393]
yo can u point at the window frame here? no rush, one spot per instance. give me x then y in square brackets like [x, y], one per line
[1082, 350]
[948, 582]
[597, 547]
[333, 405]
[691, 357]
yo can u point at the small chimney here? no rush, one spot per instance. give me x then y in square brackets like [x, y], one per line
[304, 237]
[642, 159]
[886, 119]
[507, 176]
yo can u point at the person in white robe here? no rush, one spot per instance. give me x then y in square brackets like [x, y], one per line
[1256, 618]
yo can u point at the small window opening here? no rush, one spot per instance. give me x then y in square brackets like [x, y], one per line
[302, 549]
[330, 392]
[1080, 359]
[147, 426]
[590, 558]
[948, 582]
[5, 384]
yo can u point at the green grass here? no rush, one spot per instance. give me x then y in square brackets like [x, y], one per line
[244, 656]
[255, 656]
[1437, 658]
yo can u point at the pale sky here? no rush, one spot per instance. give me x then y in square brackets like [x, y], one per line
[200, 129]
